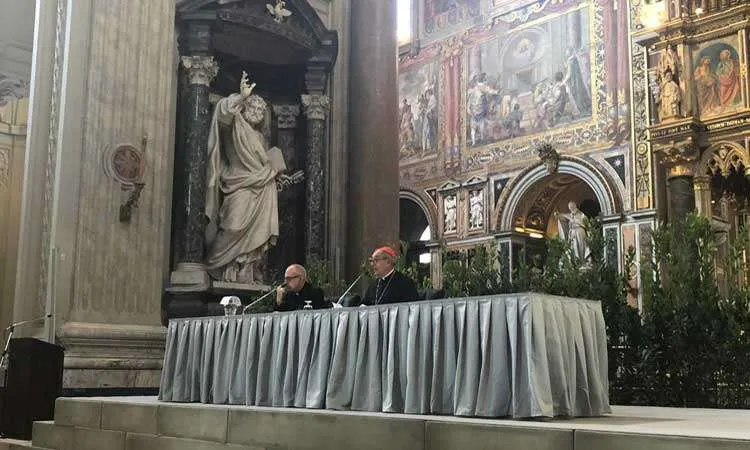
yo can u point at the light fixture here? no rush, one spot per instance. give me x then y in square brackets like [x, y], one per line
[699, 11]
[536, 235]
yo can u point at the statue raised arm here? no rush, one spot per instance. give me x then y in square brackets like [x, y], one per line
[241, 196]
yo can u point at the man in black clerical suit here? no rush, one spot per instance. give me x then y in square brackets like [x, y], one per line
[390, 286]
[298, 290]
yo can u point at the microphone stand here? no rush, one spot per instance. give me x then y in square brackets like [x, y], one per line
[338, 302]
[244, 310]
[11, 329]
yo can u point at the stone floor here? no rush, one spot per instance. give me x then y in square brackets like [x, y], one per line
[126, 423]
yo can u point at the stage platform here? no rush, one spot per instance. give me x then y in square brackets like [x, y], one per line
[129, 423]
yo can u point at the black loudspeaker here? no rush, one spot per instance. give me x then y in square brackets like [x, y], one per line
[32, 382]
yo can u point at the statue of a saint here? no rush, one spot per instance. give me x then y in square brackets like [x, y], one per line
[669, 98]
[241, 197]
[573, 228]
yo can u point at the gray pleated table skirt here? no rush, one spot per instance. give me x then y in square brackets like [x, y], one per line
[517, 355]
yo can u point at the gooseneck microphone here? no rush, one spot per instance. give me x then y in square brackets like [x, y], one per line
[244, 310]
[338, 302]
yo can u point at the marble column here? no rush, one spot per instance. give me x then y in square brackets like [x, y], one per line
[191, 160]
[288, 248]
[373, 181]
[316, 110]
[681, 196]
[702, 188]
[679, 159]
[436, 264]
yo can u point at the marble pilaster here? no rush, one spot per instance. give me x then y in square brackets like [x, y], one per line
[316, 108]
[191, 161]
[373, 179]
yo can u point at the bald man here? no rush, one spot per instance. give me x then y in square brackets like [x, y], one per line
[390, 285]
[297, 290]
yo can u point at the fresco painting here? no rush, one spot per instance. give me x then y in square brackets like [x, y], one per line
[440, 14]
[717, 77]
[531, 80]
[418, 111]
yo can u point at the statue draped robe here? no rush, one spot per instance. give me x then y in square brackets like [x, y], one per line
[246, 222]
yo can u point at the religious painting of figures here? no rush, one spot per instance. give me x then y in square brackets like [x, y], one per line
[418, 111]
[533, 79]
[440, 14]
[717, 76]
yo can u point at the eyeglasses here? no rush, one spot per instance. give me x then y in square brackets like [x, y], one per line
[377, 258]
[292, 277]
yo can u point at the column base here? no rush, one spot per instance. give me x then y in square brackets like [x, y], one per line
[189, 277]
[102, 355]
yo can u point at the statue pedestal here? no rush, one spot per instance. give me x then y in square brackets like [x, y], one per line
[198, 300]
[103, 355]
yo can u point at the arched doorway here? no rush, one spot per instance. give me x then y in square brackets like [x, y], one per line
[416, 231]
[722, 193]
[526, 213]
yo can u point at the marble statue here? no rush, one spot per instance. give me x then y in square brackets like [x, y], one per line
[278, 11]
[669, 98]
[241, 200]
[449, 211]
[476, 210]
[573, 228]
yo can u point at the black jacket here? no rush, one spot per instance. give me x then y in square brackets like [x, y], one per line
[395, 288]
[291, 301]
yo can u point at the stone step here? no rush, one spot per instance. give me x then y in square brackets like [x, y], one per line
[15, 444]
[144, 423]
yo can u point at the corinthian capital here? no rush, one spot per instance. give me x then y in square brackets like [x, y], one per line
[315, 106]
[679, 157]
[201, 69]
[286, 115]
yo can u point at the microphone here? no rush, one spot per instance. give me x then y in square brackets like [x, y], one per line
[244, 310]
[338, 302]
[11, 329]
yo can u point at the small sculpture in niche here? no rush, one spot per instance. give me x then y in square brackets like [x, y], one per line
[242, 188]
[669, 98]
[476, 210]
[278, 12]
[449, 212]
[668, 94]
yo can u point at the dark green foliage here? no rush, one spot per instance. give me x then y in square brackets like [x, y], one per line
[689, 347]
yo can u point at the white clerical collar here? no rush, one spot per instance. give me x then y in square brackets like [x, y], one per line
[388, 274]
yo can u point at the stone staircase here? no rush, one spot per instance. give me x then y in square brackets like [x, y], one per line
[94, 424]
[143, 423]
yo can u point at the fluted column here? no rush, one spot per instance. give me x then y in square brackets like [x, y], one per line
[190, 168]
[316, 110]
[373, 181]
